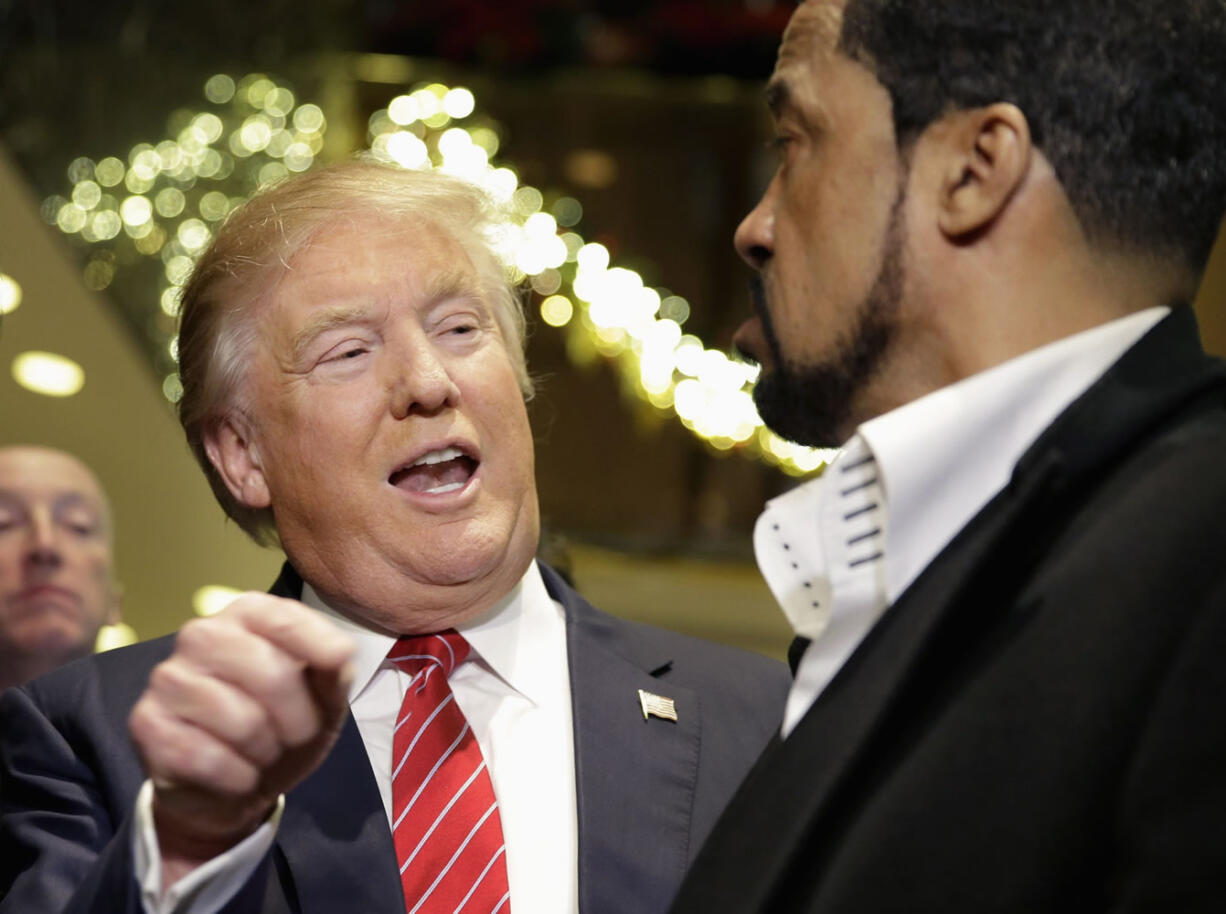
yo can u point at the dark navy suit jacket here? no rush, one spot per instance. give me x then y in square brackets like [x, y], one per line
[648, 791]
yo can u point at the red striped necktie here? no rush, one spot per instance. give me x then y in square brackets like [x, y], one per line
[445, 820]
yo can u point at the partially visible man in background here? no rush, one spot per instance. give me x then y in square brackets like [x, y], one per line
[57, 584]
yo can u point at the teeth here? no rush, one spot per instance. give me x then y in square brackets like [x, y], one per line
[450, 487]
[447, 453]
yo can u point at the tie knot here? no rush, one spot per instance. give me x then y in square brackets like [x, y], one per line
[414, 653]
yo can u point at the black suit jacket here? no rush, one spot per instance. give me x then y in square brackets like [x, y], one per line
[1039, 723]
[648, 791]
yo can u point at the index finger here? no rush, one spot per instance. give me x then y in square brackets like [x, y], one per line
[301, 632]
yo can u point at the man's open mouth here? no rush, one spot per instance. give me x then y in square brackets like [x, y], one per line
[436, 472]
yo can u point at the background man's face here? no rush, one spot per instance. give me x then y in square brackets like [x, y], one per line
[391, 434]
[827, 237]
[56, 588]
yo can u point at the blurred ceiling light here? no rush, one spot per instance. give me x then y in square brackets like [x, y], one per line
[591, 168]
[10, 294]
[212, 599]
[383, 68]
[113, 636]
[48, 374]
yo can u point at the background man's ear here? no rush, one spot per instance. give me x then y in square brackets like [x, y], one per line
[989, 155]
[233, 454]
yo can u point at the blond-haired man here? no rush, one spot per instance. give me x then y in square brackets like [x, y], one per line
[354, 388]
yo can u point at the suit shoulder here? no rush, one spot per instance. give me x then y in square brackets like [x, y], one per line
[723, 660]
[110, 681]
[707, 667]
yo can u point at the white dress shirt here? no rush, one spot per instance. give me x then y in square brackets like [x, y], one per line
[514, 689]
[836, 551]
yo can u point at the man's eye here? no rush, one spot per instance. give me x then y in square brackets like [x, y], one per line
[460, 326]
[346, 353]
[779, 144]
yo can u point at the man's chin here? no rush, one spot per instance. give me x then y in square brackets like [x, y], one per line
[59, 641]
[800, 414]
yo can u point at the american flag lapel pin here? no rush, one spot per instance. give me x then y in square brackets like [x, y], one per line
[657, 706]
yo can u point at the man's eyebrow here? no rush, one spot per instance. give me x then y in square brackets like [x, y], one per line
[778, 97]
[322, 322]
[70, 501]
[455, 283]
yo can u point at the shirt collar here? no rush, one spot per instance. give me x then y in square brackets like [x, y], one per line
[944, 456]
[938, 461]
[509, 638]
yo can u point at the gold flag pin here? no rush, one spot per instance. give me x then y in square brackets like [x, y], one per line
[658, 706]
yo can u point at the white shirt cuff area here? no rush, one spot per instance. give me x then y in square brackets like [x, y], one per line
[207, 888]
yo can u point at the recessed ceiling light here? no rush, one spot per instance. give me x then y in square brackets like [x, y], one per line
[113, 636]
[212, 599]
[10, 294]
[49, 374]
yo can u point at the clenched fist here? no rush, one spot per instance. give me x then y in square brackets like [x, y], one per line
[249, 704]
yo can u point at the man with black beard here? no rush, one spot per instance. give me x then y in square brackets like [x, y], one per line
[974, 267]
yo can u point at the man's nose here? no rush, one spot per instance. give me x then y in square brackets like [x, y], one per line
[44, 544]
[420, 380]
[755, 236]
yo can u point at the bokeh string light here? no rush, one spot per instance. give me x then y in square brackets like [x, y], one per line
[165, 199]
[162, 200]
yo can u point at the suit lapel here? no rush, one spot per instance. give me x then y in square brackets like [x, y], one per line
[334, 838]
[634, 777]
[804, 789]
